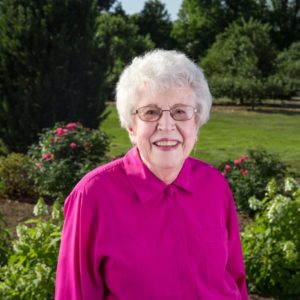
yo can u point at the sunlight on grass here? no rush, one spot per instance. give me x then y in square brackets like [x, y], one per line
[120, 142]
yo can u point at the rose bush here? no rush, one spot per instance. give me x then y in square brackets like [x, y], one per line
[63, 155]
[249, 175]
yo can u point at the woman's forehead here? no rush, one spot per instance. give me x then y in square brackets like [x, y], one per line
[182, 93]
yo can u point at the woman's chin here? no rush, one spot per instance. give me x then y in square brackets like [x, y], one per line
[167, 164]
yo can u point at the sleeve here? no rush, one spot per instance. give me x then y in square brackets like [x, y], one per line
[78, 275]
[235, 264]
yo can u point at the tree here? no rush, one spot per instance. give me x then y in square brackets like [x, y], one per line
[49, 67]
[284, 16]
[200, 21]
[118, 41]
[246, 9]
[105, 5]
[154, 20]
[288, 69]
[288, 63]
[240, 60]
[197, 26]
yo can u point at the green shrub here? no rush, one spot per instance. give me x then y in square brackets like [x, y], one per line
[249, 175]
[63, 155]
[30, 271]
[271, 243]
[4, 242]
[15, 182]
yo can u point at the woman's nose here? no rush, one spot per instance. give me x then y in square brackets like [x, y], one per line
[166, 122]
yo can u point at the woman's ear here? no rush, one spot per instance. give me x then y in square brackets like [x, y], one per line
[132, 136]
[197, 122]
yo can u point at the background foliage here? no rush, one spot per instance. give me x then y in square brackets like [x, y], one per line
[30, 271]
[288, 67]
[118, 39]
[50, 69]
[271, 244]
[154, 21]
[4, 242]
[241, 61]
[15, 181]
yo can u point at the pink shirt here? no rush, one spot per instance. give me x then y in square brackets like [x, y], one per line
[129, 236]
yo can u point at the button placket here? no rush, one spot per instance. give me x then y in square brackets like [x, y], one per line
[174, 219]
[180, 244]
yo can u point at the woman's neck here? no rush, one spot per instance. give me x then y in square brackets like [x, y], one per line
[167, 175]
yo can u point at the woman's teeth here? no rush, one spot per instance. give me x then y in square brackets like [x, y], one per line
[166, 143]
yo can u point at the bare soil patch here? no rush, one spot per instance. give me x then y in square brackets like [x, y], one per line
[15, 212]
[290, 107]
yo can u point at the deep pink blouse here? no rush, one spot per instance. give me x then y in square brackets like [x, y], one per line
[129, 236]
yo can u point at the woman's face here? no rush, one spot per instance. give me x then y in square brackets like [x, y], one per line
[165, 144]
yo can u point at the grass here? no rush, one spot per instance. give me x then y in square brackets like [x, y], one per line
[228, 134]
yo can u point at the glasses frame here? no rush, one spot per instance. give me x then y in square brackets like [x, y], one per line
[136, 112]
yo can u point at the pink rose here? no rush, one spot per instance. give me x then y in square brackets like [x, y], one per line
[38, 165]
[56, 138]
[237, 162]
[47, 156]
[244, 157]
[244, 172]
[226, 170]
[59, 131]
[72, 126]
[73, 145]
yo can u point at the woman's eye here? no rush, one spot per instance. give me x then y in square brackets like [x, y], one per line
[179, 111]
[152, 112]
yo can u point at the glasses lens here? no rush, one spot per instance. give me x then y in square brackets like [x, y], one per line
[182, 112]
[149, 113]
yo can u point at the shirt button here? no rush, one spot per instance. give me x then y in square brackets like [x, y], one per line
[169, 191]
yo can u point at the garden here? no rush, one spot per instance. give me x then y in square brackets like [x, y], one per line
[265, 187]
[59, 63]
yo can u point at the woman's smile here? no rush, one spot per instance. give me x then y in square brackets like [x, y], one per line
[167, 144]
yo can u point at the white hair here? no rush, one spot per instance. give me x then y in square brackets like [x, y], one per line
[161, 69]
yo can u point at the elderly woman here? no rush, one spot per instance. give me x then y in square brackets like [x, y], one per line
[155, 224]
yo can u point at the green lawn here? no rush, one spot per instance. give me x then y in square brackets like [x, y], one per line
[228, 134]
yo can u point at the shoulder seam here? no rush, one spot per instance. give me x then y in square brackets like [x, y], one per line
[106, 168]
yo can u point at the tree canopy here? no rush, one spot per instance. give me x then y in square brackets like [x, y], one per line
[49, 67]
[240, 61]
[200, 21]
[155, 21]
[118, 41]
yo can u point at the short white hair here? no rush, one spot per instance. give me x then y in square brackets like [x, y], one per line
[161, 69]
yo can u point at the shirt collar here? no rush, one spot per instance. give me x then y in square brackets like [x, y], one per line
[145, 183]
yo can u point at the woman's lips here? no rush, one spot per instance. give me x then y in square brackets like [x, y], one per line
[166, 145]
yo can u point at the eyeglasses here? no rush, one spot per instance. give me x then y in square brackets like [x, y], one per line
[178, 112]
